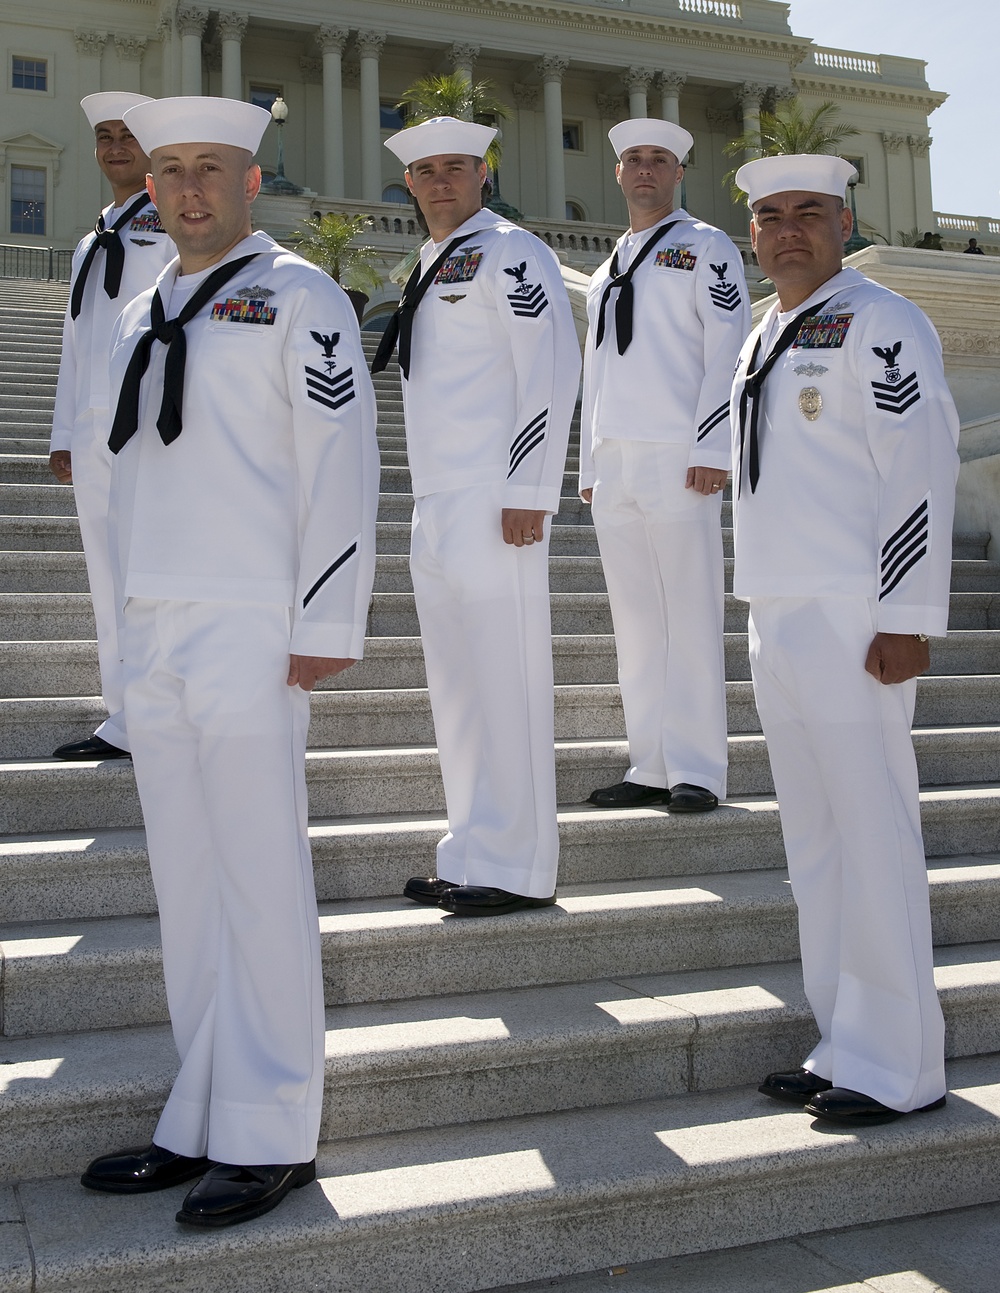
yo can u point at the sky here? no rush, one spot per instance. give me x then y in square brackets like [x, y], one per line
[960, 43]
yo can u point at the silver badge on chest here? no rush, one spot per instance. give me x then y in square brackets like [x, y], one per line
[810, 403]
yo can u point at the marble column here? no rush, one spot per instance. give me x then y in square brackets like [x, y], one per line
[332, 41]
[551, 69]
[369, 45]
[191, 23]
[671, 84]
[637, 81]
[232, 29]
[170, 74]
[526, 192]
[462, 57]
[612, 110]
[87, 198]
[749, 96]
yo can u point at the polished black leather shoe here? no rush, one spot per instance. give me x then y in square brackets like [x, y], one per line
[626, 794]
[94, 747]
[227, 1195]
[852, 1109]
[795, 1088]
[141, 1171]
[685, 798]
[428, 890]
[481, 900]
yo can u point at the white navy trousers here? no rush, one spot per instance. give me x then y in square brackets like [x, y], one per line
[661, 549]
[486, 629]
[218, 743]
[92, 489]
[846, 778]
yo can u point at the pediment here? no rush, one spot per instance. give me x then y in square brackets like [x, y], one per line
[30, 140]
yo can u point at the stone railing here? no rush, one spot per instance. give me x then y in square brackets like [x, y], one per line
[846, 60]
[712, 8]
[984, 228]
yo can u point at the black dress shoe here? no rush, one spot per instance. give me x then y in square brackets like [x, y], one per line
[481, 900]
[94, 747]
[795, 1088]
[685, 798]
[227, 1195]
[428, 890]
[626, 794]
[140, 1171]
[852, 1109]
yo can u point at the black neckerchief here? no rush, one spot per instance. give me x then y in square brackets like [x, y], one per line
[626, 297]
[114, 263]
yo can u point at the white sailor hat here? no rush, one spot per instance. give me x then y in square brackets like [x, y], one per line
[110, 105]
[441, 135]
[650, 130]
[197, 119]
[794, 173]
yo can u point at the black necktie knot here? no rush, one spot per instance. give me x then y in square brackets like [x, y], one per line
[106, 240]
[622, 281]
[166, 331]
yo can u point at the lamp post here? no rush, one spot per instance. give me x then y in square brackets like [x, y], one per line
[856, 242]
[280, 185]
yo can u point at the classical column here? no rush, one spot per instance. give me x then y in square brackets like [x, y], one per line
[637, 81]
[130, 51]
[165, 35]
[526, 194]
[612, 110]
[892, 142]
[191, 23]
[462, 57]
[331, 41]
[369, 49]
[671, 84]
[87, 200]
[232, 29]
[551, 69]
[920, 146]
[749, 96]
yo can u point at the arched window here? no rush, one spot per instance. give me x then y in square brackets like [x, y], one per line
[396, 193]
[574, 211]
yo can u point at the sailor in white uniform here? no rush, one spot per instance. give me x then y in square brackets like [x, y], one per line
[844, 479]
[243, 508]
[490, 366]
[121, 258]
[667, 313]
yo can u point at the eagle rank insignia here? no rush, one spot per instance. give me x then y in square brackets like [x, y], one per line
[810, 403]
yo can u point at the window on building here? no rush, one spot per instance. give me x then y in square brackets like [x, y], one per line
[27, 199]
[264, 95]
[859, 165]
[29, 73]
[396, 193]
[574, 211]
[573, 136]
[390, 117]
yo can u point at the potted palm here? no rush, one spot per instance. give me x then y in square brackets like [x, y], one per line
[789, 130]
[329, 242]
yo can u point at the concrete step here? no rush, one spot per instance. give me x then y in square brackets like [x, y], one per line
[74, 975]
[105, 873]
[31, 727]
[529, 1198]
[395, 1066]
[49, 795]
[40, 534]
[69, 668]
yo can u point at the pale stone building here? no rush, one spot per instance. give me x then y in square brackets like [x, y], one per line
[567, 69]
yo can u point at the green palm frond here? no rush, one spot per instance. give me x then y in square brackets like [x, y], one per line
[789, 130]
[453, 95]
[329, 243]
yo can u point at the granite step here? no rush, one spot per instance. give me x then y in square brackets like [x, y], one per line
[68, 669]
[74, 975]
[394, 716]
[105, 873]
[394, 1066]
[44, 794]
[528, 1198]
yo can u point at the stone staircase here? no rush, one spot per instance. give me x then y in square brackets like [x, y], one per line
[506, 1100]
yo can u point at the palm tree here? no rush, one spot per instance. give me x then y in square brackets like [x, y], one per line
[328, 241]
[789, 130]
[453, 95]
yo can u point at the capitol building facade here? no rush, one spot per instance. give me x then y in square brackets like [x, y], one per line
[566, 69]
